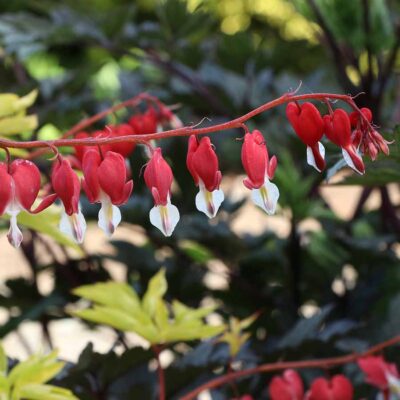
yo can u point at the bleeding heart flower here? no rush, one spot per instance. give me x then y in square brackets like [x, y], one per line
[380, 373]
[289, 386]
[66, 184]
[202, 163]
[338, 388]
[123, 148]
[309, 127]
[105, 183]
[158, 177]
[357, 121]
[260, 169]
[146, 123]
[20, 185]
[338, 131]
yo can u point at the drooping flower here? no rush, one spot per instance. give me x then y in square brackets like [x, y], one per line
[260, 170]
[309, 127]
[289, 386]
[166, 116]
[202, 163]
[380, 373]
[145, 123]
[357, 121]
[158, 178]
[66, 184]
[20, 185]
[338, 131]
[337, 388]
[105, 182]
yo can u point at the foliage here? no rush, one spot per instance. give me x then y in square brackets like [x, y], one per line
[27, 380]
[324, 284]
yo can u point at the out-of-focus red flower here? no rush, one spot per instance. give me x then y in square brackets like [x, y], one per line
[337, 388]
[309, 127]
[289, 386]
[377, 371]
[145, 123]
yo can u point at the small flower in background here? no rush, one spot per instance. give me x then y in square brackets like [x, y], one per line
[166, 116]
[337, 388]
[202, 163]
[145, 123]
[20, 185]
[381, 374]
[259, 169]
[158, 178]
[105, 182]
[338, 131]
[66, 184]
[123, 148]
[289, 386]
[309, 127]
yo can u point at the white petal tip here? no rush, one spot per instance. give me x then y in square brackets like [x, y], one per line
[311, 158]
[73, 226]
[164, 218]
[350, 162]
[209, 202]
[14, 234]
[266, 197]
[109, 217]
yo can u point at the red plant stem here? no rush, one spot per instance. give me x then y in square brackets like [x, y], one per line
[185, 131]
[160, 372]
[278, 366]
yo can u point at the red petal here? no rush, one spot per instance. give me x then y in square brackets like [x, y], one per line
[123, 148]
[306, 122]
[158, 175]
[255, 158]
[192, 147]
[204, 163]
[90, 165]
[338, 128]
[342, 388]
[287, 387]
[26, 178]
[46, 202]
[5, 188]
[66, 184]
[375, 369]
[112, 176]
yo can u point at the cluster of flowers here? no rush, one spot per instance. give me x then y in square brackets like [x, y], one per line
[379, 373]
[105, 172]
[353, 132]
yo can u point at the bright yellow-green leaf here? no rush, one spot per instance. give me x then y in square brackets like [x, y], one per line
[161, 315]
[184, 313]
[3, 360]
[46, 392]
[245, 323]
[155, 292]
[26, 101]
[188, 332]
[118, 319]
[48, 132]
[11, 104]
[36, 369]
[18, 124]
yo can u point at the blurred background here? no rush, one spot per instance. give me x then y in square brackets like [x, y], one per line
[324, 272]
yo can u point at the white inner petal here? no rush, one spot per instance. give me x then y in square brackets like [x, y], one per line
[394, 384]
[209, 202]
[165, 218]
[266, 197]
[311, 158]
[73, 226]
[109, 217]
[14, 234]
[349, 161]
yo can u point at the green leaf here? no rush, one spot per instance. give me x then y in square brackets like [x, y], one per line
[45, 392]
[155, 292]
[18, 124]
[3, 360]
